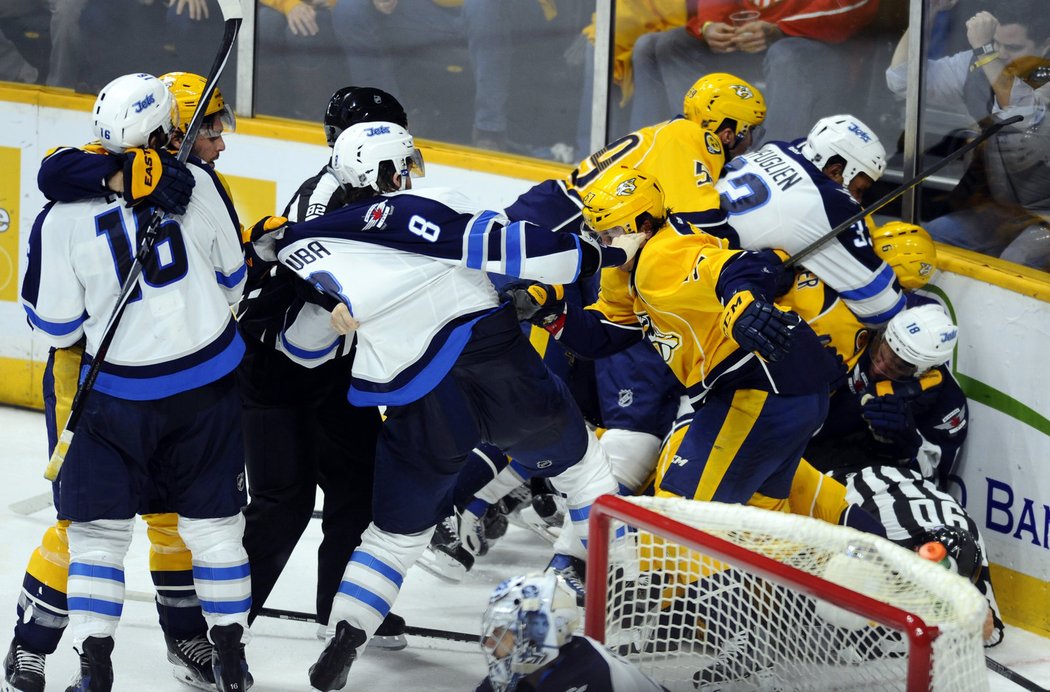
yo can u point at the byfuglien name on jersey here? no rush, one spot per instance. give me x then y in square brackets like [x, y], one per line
[781, 170]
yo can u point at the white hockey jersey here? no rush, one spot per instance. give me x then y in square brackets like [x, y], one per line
[776, 198]
[411, 267]
[177, 332]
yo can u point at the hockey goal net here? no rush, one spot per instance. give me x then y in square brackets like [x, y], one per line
[703, 595]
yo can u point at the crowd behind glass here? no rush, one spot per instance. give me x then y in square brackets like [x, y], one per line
[516, 76]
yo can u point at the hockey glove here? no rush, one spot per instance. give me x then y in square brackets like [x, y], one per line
[535, 302]
[265, 234]
[891, 420]
[759, 326]
[157, 177]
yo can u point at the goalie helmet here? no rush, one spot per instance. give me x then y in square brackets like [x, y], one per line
[909, 250]
[361, 151]
[923, 336]
[187, 88]
[130, 109]
[849, 138]
[964, 553]
[720, 96]
[351, 105]
[527, 621]
[622, 196]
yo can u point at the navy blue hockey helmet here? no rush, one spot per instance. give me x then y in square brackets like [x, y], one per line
[352, 104]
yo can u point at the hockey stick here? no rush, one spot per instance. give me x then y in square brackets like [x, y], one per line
[32, 505]
[297, 616]
[1013, 676]
[898, 191]
[232, 14]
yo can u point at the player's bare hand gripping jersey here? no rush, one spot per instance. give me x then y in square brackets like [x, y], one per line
[177, 332]
[776, 198]
[411, 267]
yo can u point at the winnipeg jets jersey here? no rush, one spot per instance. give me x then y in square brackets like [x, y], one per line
[411, 267]
[177, 332]
[776, 198]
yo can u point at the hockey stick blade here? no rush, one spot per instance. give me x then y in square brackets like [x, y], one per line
[32, 505]
[297, 616]
[233, 14]
[1013, 676]
[898, 191]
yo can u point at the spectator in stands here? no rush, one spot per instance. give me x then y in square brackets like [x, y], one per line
[297, 45]
[374, 32]
[14, 66]
[1002, 204]
[793, 46]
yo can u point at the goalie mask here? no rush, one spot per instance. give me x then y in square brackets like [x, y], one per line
[187, 89]
[370, 154]
[131, 109]
[718, 97]
[851, 140]
[351, 105]
[923, 336]
[527, 621]
[964, 553]
[623, 198]
[908, 249]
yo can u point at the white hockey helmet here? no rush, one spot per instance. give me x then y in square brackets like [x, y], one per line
[527, 621]
[361, 149]
[130, 109]
[848, 137]
[924, 336]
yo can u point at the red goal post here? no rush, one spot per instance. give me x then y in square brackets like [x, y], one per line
[702, 593]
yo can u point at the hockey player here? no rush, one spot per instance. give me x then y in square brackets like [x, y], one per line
[436, 347]
[528, 639]
[69, 174]
[761, 373]
[300, 431]
[177, 380]
[787, 195]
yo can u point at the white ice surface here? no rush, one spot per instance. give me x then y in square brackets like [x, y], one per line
[280, 652]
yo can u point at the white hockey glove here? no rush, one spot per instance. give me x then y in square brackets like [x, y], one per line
[342, 321]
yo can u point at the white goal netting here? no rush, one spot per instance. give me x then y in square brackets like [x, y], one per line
[758, 604]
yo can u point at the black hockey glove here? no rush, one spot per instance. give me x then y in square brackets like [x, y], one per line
[759, 326]
[891, 420]
[534, 302]
[265, 234]
[157, 177]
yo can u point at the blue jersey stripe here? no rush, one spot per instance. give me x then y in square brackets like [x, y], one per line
[221, 573]
[476, 240]
[883, 317]
[873, 288]
[377, 565]
[513, 235]
[80, 569]
[233, 279]
[226, 607]
[54, 328]
[372, 600]
[306, 354]
[95, 605]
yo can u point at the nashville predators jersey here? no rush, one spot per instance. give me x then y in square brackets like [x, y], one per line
[832, 320]
[684, 157]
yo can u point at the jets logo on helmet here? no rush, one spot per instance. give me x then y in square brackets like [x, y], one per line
[372, 154]
[131, 109]
[923, 336]
[846, 138]
[626, 188]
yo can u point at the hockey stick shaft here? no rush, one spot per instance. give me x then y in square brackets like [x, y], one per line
[297, 616]
[898, 191]
[32, 505]
[233, 14]
[1013, 676]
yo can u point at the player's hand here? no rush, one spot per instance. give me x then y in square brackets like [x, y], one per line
[342, 321]
[535, 302]
[759, 326]
[302, 20]
[720, 37]
[265, 234]
[196, 9]
[891, 420]
[630, 243]
[157, 177]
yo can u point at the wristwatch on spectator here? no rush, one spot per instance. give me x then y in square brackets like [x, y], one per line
[983, 55]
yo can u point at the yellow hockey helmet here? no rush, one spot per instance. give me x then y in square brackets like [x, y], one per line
[187, 89]
[719, 96]
[908, 249]
[619, 197]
